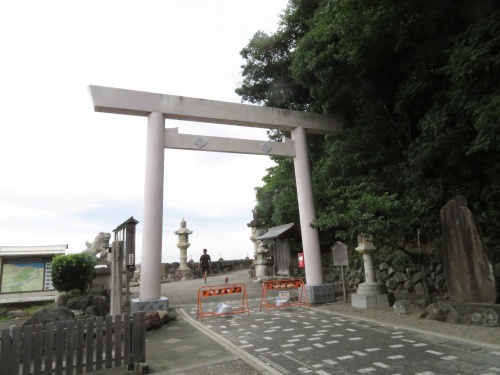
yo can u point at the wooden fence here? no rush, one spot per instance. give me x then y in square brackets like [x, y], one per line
[74, 347]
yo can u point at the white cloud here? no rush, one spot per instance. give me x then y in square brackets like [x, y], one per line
[67, 173]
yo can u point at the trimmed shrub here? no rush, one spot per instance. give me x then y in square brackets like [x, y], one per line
[73, 271]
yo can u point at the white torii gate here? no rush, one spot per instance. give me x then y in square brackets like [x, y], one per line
[157, 108]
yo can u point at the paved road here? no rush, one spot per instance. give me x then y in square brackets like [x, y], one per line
[317, 341]
[301, 341]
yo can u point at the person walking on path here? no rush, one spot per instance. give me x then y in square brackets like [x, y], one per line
[205, 264]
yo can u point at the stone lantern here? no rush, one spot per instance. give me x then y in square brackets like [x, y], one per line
[256, 226]
[263, 265]
[183, 272]
[370, 294]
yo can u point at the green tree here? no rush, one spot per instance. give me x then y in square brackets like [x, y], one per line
[418, 84]
[277, 199]
[73, 271]
[266, 72]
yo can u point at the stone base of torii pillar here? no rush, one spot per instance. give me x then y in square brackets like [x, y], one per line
[370, 294]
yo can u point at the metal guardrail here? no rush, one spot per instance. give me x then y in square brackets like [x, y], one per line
[221, 290]
[282, 285]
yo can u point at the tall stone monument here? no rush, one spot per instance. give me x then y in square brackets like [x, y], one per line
[183, 272]
[370, 294]
[467, 265]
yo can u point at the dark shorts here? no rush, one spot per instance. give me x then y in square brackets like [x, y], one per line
[205, 268]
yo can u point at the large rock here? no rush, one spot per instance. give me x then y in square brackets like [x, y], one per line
[468, 269]
[100, 305]
[409, 286]
[438, 311]
[50, 315]
[402, 307]
[66, 296]
[383, 266]
[94, 304]
[419, 288]
[417, 277]
[400, 277]
[167, 316]
[392, 284]
[152, 320]
[473, 316]
[79, 303]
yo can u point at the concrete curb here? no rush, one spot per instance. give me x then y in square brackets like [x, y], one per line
[256, 363]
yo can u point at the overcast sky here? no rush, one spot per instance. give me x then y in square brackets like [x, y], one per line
[68, 173]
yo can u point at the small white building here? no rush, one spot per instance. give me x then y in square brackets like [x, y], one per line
[25, 273]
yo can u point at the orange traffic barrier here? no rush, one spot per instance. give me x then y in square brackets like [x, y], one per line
[221, 290]
[282, 285]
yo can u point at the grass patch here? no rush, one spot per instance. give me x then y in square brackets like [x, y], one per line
[30, 310]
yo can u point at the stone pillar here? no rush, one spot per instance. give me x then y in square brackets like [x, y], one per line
[183, 272]
[150, 288]
[116, 278]
[370, 294]
[317, 291]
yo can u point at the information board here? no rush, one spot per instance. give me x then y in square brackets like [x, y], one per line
[26, 276]
[339, 253]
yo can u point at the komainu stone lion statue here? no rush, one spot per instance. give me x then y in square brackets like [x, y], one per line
[99, 247]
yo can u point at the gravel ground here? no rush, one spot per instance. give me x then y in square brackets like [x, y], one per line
[482, 335]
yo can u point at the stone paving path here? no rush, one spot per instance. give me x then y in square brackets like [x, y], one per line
[302, 341]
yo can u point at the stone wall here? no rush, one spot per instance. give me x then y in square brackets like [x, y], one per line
[219, 266]
[399, 276]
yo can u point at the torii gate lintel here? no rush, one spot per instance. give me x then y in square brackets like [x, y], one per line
[175, 140]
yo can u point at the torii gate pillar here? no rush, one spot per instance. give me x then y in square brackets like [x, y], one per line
[317, 291]
[310, 238]
[150, 286]
[153, 206]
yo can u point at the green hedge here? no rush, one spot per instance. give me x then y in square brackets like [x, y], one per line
[73, 271]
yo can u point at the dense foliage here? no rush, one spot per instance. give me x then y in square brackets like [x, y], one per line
[73, 271]
[418, 83]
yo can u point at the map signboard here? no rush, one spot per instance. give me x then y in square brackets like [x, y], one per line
[26, 276]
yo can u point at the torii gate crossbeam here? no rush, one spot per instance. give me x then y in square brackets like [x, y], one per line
[157, 108]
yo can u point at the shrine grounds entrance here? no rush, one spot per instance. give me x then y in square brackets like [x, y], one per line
[159, 107]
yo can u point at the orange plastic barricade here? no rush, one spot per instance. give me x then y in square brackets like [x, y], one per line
[221, 290]
[281, 285]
